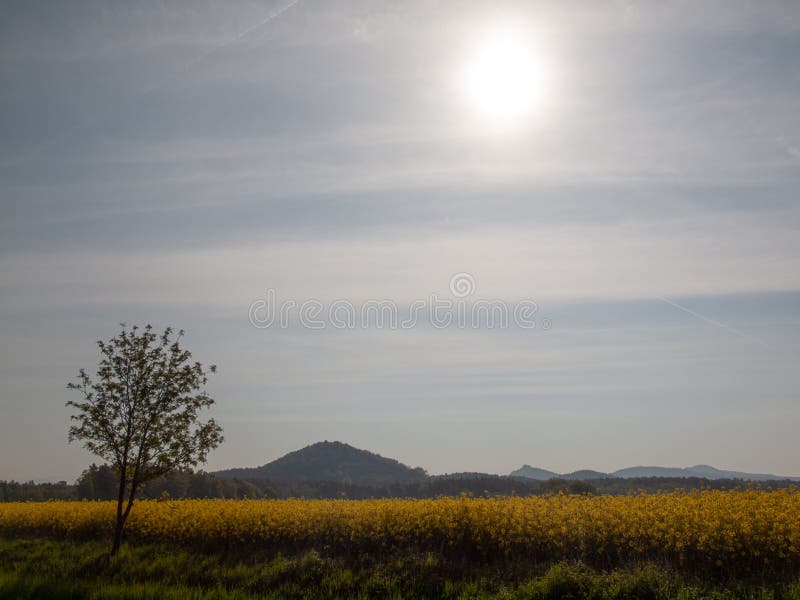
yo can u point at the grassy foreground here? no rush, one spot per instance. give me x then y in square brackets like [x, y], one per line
[39, 568]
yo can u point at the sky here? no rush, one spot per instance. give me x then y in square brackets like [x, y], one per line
[172, 162]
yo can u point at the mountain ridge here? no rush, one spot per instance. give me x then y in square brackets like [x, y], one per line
[342, 463]
[701, 471]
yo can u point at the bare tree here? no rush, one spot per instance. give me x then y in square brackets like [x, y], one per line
[140, 413]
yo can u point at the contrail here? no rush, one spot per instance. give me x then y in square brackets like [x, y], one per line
[22, 157]
[270, 17]
[720, 324]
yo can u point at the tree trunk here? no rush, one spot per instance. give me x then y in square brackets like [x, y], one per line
[120, 517]
[117, 536]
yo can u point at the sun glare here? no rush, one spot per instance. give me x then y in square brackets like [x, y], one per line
[504, 80]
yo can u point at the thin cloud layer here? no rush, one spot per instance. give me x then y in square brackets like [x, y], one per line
[171, 162]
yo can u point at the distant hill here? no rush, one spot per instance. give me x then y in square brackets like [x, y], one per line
[704, 471]
[464, 475]
[698, 471]
[331, 461]
[632, 472]
[340, 463]
[529, 472]
[585, 475]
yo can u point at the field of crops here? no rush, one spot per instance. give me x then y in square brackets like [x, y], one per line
[742, 531]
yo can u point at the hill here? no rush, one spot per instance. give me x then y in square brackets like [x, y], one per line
[705, 472]
[340, 463]
[702, 471]
[585, 475]
[634, 472]
[529, 472]
[330, 461]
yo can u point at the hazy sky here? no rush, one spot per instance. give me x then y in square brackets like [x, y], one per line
[169, 162]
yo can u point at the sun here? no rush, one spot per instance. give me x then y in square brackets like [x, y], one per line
[505, 79]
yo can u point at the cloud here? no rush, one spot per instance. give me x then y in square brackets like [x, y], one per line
[699, 255]
[170, 162]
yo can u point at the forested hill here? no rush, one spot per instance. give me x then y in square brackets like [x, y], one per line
[333, 462]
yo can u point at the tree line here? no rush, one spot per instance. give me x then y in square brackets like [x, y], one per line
[100, 483]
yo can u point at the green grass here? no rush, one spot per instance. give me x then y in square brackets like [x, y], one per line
[33, 569]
